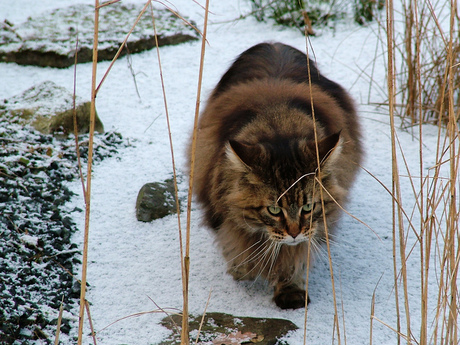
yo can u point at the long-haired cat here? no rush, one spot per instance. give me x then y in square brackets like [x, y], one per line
[273, 132]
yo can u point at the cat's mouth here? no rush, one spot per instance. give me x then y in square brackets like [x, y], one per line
[292, 241]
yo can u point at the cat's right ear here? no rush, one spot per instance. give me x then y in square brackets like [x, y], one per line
[329, 149]
[243, 155]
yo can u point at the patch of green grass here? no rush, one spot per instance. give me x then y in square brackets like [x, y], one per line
[290, 13]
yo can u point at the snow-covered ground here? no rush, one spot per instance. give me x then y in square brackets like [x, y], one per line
[132, 263]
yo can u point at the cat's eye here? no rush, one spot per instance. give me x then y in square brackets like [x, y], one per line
[307, 207]
[274, 210]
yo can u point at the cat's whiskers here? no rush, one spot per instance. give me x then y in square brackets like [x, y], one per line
[269, 257]
[274, 257]
[262, 253]
[332, 239]
[244, 251]
[319, 250]
[259, 251]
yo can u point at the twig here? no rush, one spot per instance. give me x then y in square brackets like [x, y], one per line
[202, 319]
[93, 334]
[129, 60]
[167, 314]
[107, 3]
[59, 321]
[75, 124]
[135, 315]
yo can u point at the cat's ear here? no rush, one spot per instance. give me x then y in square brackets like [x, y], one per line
[329, 148]
[242, 154]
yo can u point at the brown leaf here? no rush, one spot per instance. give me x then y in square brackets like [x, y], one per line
[236, 338]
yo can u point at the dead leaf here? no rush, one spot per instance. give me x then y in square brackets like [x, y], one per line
[235, 338]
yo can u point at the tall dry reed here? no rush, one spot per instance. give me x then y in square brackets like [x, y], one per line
[423, 87]
[427, 74]
[87, 191]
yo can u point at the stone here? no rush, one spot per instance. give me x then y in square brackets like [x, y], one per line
[48, 108]
[155, 200]
[50, 39]
[220, 328]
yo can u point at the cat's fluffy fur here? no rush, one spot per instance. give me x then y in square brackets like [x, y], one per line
[257, 160]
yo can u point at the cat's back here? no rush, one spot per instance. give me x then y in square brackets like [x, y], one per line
[279, 61]
[262, 61]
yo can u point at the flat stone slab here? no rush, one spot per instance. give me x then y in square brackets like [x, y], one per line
[50, 38]
[220, 328]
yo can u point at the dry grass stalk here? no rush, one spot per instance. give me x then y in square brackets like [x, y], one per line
[184, 265]
[453, 252]
[88, 177]
[318, 179]
[308, 26]
[185, 331]
[176, 192]
[307, 23]
[395, 186]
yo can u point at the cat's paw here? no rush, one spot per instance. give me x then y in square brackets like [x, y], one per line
[290, 297]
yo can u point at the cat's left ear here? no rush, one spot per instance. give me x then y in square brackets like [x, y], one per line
[329, 148]
[244, 155]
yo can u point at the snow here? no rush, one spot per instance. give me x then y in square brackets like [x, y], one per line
[30, 240]
[132, 264]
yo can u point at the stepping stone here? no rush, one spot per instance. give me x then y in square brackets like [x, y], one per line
[48, 108]
[220, 328]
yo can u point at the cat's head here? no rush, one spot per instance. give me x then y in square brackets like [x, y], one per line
[278, 191]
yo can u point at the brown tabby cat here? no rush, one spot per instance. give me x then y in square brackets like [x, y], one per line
[257, 166]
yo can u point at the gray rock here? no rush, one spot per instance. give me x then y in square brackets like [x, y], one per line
[155, 200]
[49, 109]
[50, 38]
[219, 328]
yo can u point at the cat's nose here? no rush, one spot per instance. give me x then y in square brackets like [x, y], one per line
[293, 230]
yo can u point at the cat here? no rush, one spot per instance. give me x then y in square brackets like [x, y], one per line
[257, 175]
